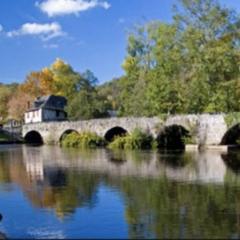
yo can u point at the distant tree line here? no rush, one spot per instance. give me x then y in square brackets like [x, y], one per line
[191, 65]
[84, 102]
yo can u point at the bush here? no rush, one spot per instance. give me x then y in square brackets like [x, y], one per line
[137, 140]
[83, 140]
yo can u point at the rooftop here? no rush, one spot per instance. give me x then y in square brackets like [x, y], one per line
[49, 102]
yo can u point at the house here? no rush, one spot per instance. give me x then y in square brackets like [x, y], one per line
[112, 114]
[46, 109]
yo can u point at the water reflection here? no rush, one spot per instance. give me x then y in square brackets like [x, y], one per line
[232, 159]
[164, 195]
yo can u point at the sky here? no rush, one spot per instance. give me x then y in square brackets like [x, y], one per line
[87, 34]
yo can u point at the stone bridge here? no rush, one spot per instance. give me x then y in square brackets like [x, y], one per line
[205, 129]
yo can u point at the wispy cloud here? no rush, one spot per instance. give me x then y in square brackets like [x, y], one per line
[65, 7]
[45, 31]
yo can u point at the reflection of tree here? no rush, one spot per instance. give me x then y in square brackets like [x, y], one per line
[154, 207]
[61, 189]
[5, 158]
[117, 157]
[4, 171]
[232, 159]
[79, 191]
[65, 191]
[164, 209]
[175, 159]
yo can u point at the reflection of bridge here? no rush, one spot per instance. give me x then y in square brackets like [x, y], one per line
[204, 167]
[204, 129]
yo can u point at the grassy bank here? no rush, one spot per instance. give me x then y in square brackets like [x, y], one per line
[6, 138]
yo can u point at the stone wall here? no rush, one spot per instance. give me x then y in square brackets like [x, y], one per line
[205, 129]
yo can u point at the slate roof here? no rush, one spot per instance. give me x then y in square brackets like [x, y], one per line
[49, 102]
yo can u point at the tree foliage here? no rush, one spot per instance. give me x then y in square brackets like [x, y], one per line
[84, 102]
[191, 65]
[188, 66]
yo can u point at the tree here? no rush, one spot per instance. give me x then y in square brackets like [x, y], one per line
[65, 78]
[6, 92]
[188, 66]
[86, 105]
[18, 104]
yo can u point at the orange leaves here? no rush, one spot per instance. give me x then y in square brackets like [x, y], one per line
[18, 104]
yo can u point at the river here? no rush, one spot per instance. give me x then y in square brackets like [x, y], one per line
[49, 192]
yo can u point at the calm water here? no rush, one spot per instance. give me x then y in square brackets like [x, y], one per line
[49, 192]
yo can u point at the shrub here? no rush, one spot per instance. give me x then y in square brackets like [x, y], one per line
[83, 140]
[188, 140]
[137, 140]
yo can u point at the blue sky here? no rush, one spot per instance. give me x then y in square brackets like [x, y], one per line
[88, 34]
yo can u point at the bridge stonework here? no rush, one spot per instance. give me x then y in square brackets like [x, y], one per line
[205, 129]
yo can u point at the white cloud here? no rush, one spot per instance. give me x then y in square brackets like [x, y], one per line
[1, 28]
[45, 31]
[65, 7]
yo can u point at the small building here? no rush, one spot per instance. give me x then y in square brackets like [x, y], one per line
[46, 109]
[112, 113]
[13, 126]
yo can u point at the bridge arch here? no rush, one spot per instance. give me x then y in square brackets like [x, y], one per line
[65, 133]
[33, 137]
[172, 137]
[114, 132]
[232, 136]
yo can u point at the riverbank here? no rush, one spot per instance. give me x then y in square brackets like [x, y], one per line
[7, 138]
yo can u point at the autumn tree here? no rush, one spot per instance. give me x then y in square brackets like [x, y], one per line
[18, 104]
[6, 92]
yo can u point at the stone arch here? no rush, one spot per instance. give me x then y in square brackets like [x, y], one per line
[172, 137]
[232, 136]
[113, 132]
[33, 137]
[189, 122]
[65, 133]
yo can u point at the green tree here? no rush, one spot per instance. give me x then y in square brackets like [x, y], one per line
[188, 66]
[87, 104]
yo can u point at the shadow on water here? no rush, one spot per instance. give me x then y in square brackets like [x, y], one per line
[232, 160]
[2, 235]
[175, 159]
[116, 157]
